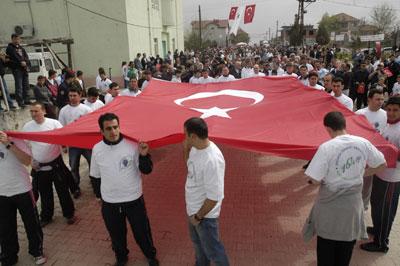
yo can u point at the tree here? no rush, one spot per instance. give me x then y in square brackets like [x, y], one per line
[383, 17]
[330, 23]
[322, 35]
[295, 37]
[192, 41]
[241, 36]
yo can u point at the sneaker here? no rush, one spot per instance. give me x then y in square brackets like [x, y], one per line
[40, 260]
[370, 230]
[13, 107]
[71, 220]
[153, 262]
[77, 193]
[372, 247]
[43, 223]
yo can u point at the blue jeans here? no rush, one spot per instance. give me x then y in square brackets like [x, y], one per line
[207, 244]
[9, 100]
[74, 161]
[21, 86]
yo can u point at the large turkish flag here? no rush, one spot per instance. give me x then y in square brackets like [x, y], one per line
[249, 13]
[276, 115]
[232, 13]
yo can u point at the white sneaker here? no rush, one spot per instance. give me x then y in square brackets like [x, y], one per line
[40, 260]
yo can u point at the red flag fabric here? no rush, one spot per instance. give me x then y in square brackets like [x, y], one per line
[232, 13]
[276, 115]
[249, 13]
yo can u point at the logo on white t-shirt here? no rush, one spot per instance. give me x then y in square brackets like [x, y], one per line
[347, 162]
[125, 162]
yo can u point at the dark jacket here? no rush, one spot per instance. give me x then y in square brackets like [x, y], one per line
[62, 95]
[17, 54]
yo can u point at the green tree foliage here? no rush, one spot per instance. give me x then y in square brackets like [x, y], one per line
[322, 35]
[295, 38]
[241, 36]
[330, 23]
[192, 41]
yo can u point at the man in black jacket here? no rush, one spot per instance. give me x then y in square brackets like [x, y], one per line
[19, 63]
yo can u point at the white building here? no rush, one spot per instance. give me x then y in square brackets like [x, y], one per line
[105, 32]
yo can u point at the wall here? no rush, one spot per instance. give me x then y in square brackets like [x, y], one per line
[98, 41]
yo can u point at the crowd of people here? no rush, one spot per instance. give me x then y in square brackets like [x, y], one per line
[361, 83]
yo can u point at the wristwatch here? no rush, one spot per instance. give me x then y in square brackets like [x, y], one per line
[8, 146]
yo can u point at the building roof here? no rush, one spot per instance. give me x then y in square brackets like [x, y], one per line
[220, 23]
[343, 17]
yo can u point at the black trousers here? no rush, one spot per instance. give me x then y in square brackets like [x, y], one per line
[44, 181]
[59, 168]
[115, 215]
[384, 202]
[334, 253]
[25, 204]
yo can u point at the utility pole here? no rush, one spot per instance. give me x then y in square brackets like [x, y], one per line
[300, 15]
[269, 34]
[277, 29]
[201, 41]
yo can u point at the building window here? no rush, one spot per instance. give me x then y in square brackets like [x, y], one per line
[156, 46]
[155, 4]
[173, 45]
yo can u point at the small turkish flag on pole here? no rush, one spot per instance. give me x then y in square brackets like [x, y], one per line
[249, 13]
[232, 13]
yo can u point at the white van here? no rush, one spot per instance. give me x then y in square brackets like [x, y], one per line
[41, 63]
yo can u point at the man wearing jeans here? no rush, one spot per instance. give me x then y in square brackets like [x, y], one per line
[204, 192]
[19, 63]
[68, 114]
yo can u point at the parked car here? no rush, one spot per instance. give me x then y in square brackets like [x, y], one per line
[41, 63]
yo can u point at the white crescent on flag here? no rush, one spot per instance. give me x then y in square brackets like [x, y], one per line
[216, 111]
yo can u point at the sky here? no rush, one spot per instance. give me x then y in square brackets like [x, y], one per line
[268, 12]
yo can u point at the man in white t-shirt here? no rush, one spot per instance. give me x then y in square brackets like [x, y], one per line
[132, 90]
[256, 71]
[376, 116]
[112, 93]
[148, 76]
[313, 81]
[290, 70]
[92, 99]
[205, 78]
[225, 75]
[396, 87]
[386, 186]
[303, 77]
[116, 166]
[337, 93]
[195, 78]
[204, 192]
[48, 168]
[16, 195]
[104, 85]
[339, 165]
[68, 114]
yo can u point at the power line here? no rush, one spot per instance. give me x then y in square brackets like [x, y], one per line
[113, 19]
[354, 5]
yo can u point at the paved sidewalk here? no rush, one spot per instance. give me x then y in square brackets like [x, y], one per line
[266, 202]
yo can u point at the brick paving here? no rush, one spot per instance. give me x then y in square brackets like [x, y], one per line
[266, 202]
